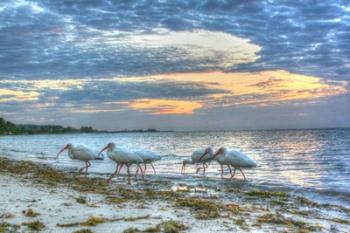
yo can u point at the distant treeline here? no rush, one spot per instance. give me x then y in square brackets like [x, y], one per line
[8, 128]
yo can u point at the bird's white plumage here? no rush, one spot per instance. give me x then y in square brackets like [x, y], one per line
[148, 156]
[197, 154]
[123, 156]
[235, 158]
[200, 156]
[81, 153]
[239, 159]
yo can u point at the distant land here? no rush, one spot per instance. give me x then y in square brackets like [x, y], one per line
[9, 128]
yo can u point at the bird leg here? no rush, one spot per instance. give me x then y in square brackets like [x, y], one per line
[113, 174]
[229, 168]
[82, 169]
[139, 167]
[145, 168]
[120, 168]
[183, 169]
[87, 167]
[154, 170]
[234, 172]
[128, 169]
[242, 173]
[198, 168]
[222, 170]
[203, 169]
[137, 171]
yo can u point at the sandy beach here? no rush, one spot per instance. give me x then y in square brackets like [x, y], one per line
[39, 198]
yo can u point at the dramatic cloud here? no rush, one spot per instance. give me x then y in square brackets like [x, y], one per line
[184, 59]
[178, 93]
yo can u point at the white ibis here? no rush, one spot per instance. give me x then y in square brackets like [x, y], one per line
[199, 156]
[234, 158]
[80, 153]
[148, 158]
[122, 157]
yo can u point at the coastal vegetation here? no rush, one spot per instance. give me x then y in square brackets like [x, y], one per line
[9, 128]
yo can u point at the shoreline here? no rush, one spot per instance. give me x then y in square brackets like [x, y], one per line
[65, 203]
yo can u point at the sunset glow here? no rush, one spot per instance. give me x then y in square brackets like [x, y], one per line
[164, 106]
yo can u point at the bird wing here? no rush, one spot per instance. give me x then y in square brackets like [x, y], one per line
[240, 159]
[197, 154]
[124, 156]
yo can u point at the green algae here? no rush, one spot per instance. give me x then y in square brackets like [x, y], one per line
[306, 202]
[4, 227]
[266, 194]
[116, 200]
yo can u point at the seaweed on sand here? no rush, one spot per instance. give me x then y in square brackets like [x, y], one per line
[204, 209]
[266, 194]
[35, 226]
[91, 221]
[83, 231]
[172, 226]
[279, 219]
[169, 226]
[30, 213]
[95, 220]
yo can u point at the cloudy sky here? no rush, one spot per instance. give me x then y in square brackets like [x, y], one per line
[176, 65]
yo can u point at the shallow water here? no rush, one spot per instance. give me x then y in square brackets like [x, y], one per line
[315, 163]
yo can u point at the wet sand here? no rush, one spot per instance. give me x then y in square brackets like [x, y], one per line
[40, 198]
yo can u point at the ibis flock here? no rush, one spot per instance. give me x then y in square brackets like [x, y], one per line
[233, 159]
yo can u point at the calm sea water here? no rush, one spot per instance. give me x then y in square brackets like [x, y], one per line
[311, 162]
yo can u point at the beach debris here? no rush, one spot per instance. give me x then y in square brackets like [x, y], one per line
[131, 230]
[169, 226]
[172, 226]
[278, 219]
[204, 209]
[30, 213]
[91, 221]
[6, 215]
[83, 231]
[95, 220]
[35, 226]
[6, 227]
[81, 200]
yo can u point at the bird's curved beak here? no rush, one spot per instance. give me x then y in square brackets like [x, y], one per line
[64, 148]
[205, 153]
[216, 154]
[105, 148]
